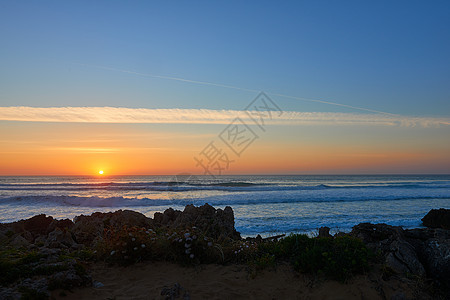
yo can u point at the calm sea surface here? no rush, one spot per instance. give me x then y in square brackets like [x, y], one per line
[262, 204]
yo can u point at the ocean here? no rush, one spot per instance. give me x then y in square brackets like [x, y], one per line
[265, 205]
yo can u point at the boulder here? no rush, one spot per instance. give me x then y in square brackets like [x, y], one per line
[390, 242]
[437, 259]
[88, 230]
[437, 218]
[213, 222]
[60, 239]
[19, 242]
[37, 225]
[324, 232]
[403, 258]
[166, 218]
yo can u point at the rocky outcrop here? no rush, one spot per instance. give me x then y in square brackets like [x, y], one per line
[42, 230]
[88, 230]
[215, 223]
[423, 252]
[420, 252]
[324, 232]
[437, 218]
[388, 240]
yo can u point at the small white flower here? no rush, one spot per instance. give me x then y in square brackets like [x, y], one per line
[143, 246]
[209, 244]
[133, 239]
[205, 238]
[235, 252]
[130, 234]
[180, 240]
[194, 237]
[191, 256]
[113, 252]
[187, 251]
[187, 234]
[186, 245]
[135, 248]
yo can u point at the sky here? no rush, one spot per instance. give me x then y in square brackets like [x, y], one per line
[224, 87]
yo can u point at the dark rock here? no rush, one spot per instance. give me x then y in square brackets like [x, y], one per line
[61, 224]
[174, 292]
[437, 259]
[324, 232]
[69, 279]
[376, 233]
[37, 225]
[340, 234]
[213, 222]
[10, 294]
[403, 259]
[168, 217]
[19, 242]
[390, 242]
[88, 230]
[398, 296]
[437, 218]
[60, 239]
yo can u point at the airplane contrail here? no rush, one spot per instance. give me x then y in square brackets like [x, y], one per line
[236, 88]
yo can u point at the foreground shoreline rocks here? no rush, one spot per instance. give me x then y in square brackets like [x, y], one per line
[422, 252]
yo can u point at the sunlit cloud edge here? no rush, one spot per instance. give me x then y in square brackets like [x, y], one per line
[207, 116]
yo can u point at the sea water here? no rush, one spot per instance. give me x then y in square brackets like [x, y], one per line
[265, 205]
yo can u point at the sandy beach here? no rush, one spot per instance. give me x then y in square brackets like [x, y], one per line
[148, 280]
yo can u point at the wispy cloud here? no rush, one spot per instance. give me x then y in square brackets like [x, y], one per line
[205, 116]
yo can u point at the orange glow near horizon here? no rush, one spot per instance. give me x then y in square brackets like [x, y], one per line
[83, 149]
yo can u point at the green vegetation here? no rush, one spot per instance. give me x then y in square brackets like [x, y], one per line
[336, 258]
[19, 264]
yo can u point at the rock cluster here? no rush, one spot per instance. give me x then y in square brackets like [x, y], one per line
[51, 239]
[422, 252]
[215, 223]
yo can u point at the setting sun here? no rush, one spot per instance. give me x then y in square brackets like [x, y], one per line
[100, 172]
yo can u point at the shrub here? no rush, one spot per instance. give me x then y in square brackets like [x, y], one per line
[337, 258]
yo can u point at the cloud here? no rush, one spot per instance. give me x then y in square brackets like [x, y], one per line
[206, 116]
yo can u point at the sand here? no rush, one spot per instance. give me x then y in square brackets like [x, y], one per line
[147, 280]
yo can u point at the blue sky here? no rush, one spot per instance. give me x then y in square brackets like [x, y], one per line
[386, 56]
